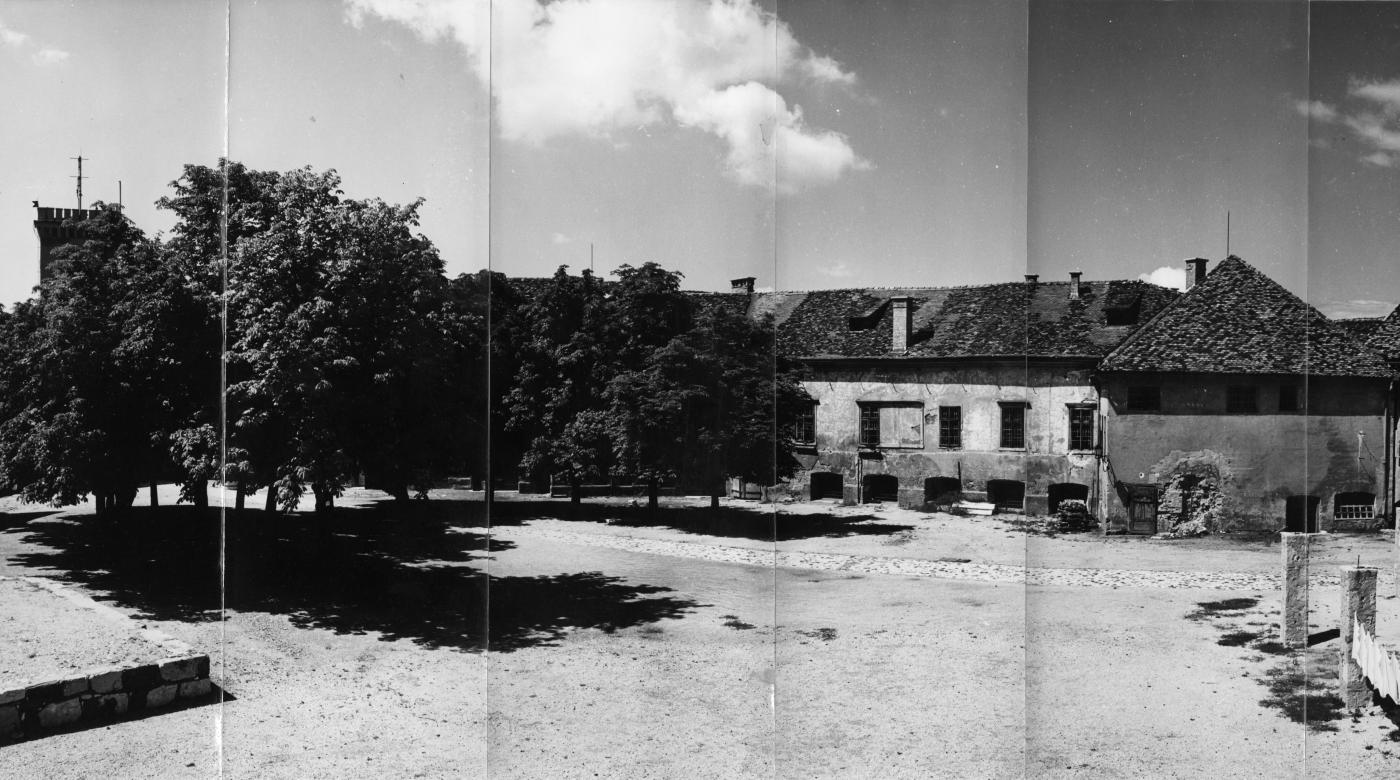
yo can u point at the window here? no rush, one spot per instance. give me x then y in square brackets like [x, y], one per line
[1288, 398]
[804, 426]
[1145, 399]
[950, 427]
[1241, 399]
[892, 425]
[1013, 425]
[1081, 427]
[1355, 506]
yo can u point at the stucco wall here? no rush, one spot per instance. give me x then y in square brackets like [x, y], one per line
[1257, 460]
[977, 389]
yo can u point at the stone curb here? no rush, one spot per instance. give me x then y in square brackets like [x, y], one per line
[103, 693]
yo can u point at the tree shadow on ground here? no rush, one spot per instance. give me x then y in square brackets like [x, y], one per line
[404, 572]
[724, 521]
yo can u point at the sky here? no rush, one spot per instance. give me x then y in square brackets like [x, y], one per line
[820, 143]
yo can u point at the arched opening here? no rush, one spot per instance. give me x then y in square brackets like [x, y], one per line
[944, 491]
[1354, 506]
[880, 487]
[1067, 491]
[1006, 493]
[1300, 514]
[825, 484]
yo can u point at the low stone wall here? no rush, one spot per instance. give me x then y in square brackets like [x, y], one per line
[103, 695]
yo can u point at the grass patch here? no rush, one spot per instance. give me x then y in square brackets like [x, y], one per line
[1223, 608]
[824, 634]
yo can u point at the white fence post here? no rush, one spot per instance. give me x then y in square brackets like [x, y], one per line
[1358, 608]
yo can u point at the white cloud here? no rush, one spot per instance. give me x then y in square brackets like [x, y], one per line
[1380, 159]
[12, 37]
[1316, 109]
[1346, 310]
[836, 271]
[1384, 93]
[560, 238]
[595, 67]
[1166, 276]
[1376, 130]
[48, 56]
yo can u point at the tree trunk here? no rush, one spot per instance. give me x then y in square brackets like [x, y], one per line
[325, 499]
[99, 504]
[714, 498]
[575, 491]
[270, 506]
[399, 492]
[126, 497]
[652, 493]
[201, 494]
[155, 499]
[238, 498]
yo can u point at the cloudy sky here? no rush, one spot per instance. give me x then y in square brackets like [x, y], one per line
[810, 144]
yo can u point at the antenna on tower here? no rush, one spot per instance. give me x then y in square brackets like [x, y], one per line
[1227, 233]
[590, 257]
[80, 178]
[119, 196]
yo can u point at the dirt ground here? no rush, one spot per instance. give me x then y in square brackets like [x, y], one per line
[360, 649]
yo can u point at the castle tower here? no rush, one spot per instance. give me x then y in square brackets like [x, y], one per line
[48, 224]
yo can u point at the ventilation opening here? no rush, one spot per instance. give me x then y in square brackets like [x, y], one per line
[1355, 506]
[1300, 514]
[1067, 491]
[942, 490]
[880, 487]
[826, 485]
[1006, 493]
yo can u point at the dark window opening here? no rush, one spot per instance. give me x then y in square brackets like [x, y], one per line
[942, 490]
[804, 427]
[879, 487]
[1354, 506]
[1241, 399]
[1288, 398]
[1081, 428]
[825, 484]
[1013, 426]
[1145, 399]
[1067, 491]
[950, 427]
[1300, 514]
[1006, 493]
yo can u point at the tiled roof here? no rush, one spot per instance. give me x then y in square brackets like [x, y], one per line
[1239, 321]
[1385, 339]
[1360, 328]
[1016, 319]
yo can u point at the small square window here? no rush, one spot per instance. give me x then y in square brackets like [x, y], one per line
[1145, 398]
[950, 427]
[1241, 399]
[1013, 426]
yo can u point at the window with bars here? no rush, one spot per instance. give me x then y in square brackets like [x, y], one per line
[950, 427]
[1241, 399]
[1013, 425]
[892, 425]
[1145, 398]
[1081, 427]
[804, 426]
[1355, 506]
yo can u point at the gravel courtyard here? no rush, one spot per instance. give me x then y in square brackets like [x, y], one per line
[883, 643]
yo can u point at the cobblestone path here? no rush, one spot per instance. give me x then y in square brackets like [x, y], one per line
[986, 572]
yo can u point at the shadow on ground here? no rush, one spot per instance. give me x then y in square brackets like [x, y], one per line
[408, 573]
[724, 522]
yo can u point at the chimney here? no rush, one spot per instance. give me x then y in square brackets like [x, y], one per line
[744, 285]
[899, 307]
[1196, 271]
[1032, 278]
[1074, 284]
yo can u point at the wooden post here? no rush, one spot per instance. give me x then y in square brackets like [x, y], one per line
[1358, 606]
[1295, 589]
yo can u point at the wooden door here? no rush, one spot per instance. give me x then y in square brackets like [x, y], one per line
[1142, 509]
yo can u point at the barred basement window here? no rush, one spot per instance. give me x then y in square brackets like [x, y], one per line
[1144, 398]
[804, 427]
[1355, 506]
[950, 427]
[1013, 425]
[1241, 399]
[1081, 427]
